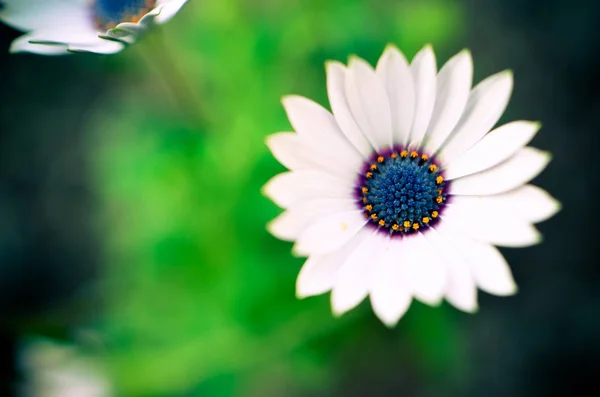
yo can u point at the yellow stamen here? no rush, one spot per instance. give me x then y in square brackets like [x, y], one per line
[406, 224]
[432, 167]
[403, 153]
[395, 227]
[434, 214]
[424, 157]
[439, 199]
[374, 217]
[380, 159]
[365, 190]
[426, 220]
[373, 167]
[381, 222]
[415, 226]
[394, 155]
[414, 154]
[439, 179]
[369, 208]
[364, 200]
[369, 175]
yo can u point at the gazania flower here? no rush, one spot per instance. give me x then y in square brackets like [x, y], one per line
[404, 192]
[56, 27]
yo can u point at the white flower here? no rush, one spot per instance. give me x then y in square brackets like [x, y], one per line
[403, 192]
[56, 370]
[56, 27]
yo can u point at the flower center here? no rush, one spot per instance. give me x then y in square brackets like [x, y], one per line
[109, 13]
[402, 192]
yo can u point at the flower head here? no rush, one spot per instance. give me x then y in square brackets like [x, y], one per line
[56, 27]
[52, 369]
[403, 191]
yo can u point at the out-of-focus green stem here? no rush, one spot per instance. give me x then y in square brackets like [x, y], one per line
[182, 93]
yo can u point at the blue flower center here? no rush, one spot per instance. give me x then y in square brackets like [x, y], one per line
[402, 192]
[109, 13]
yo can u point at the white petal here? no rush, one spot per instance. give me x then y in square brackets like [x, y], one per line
[499, 228]
[514, 172]
[319, 128]
[336, 89]
[369, 104]
[529, 203]
[291, 223]
[486, 104]
[307, 117]
[168, 9]
[493, 149]
[488, 266]
[389, 289]
[297, 153]
[290, 151]
[461, 290]
[352, 280]
[128, 32]
[22, 44]
[289, 188]
[319, 272]
[423, 70]
[81, 34]
[329, 233]
[453, 87]
[100, 47]
[393, 70]
[35, 14]
[424, 268]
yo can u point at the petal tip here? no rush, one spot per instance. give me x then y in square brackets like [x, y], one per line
[331, 63]
[537, 125]
[391, 47]
[270, 140]
[287, 98]
[557, 206]
[427, 47]
[298, 250]
[513, 290]
[271, 227]
[389, 323]
[473, 309]
[354, 59]
[336, 310]
[508, 73]
[301, 292]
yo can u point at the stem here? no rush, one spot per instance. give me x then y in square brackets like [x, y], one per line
[161, 60]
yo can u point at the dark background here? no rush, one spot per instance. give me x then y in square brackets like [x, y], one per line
[545, 341]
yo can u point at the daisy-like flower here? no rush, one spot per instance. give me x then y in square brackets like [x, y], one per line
[403, 191]
[51, 369]
[56, 27]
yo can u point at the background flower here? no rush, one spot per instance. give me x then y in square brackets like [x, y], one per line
[117, 214]
[55, 27]
[52, 369]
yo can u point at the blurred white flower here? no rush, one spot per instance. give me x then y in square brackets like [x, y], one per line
[56, 27]
[403, 192]
[51, 369]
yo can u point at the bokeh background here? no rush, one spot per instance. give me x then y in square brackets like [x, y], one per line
[132, 223]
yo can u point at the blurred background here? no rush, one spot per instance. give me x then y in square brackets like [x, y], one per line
[133, 250]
